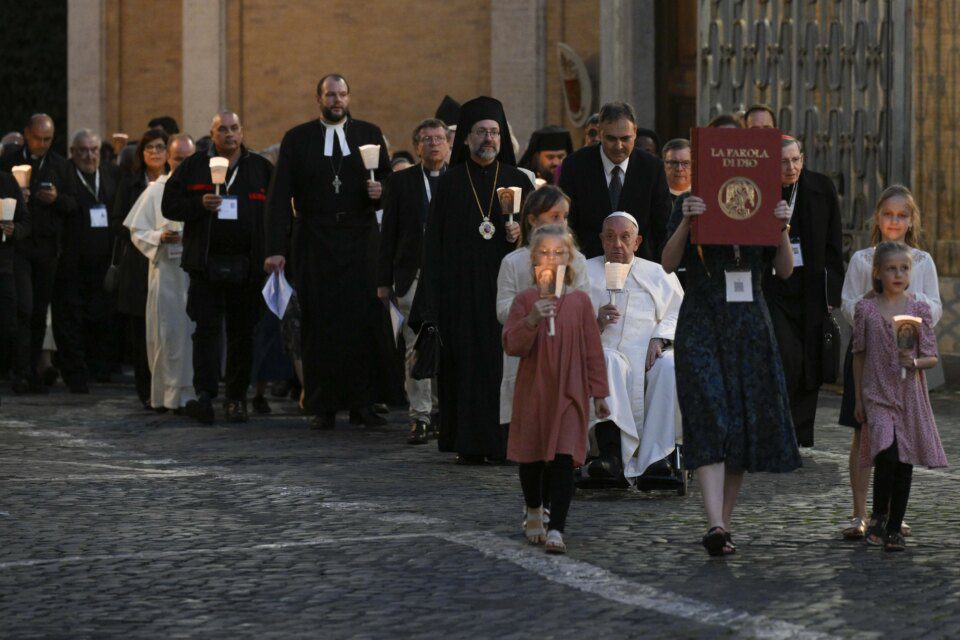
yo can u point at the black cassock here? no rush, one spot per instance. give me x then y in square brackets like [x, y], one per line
[458, 292]
[330, 237]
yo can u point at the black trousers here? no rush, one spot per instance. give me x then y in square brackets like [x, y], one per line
[560, 474]
[98, 316]
[137, 333]
[8, 321]
[212, 306]
[788, 327]
[66, 309]
[35, 271]
[891, 487]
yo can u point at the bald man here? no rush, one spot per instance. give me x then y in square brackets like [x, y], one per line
[223, 240]
[51, 202]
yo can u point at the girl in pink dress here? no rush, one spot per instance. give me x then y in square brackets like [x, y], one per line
[558, 375]
[891, 392]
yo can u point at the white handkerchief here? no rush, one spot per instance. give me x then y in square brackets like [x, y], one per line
[396, 320]
[228, 208]
[98, 217]
[277, 293]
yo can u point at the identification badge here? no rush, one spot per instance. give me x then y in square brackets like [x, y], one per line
[175, 250]
[797, 254]
[739, 286]
[228, 208]
[98, 217]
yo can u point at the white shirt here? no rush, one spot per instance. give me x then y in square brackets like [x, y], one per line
[924, 283]
[608, 166]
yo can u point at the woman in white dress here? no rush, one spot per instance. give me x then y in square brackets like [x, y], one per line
[169, 330]
[897, 219]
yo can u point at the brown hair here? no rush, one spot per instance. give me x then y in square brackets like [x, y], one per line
[429, 123]
[725, 120]
[881, 254]
[139, 166]
[912, 239]
[556, 231]
[760, 107]
[542, 199]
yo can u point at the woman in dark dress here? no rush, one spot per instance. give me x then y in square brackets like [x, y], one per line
[730, 381]
[149, 163]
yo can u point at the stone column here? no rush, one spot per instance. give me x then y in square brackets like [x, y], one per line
[204, 63]
[86, 68]
[518, 64]
[627, 56]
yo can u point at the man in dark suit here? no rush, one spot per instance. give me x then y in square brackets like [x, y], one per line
[51, 201]
[406, 203]
[799, 304]
[83, 311]
[616, 176]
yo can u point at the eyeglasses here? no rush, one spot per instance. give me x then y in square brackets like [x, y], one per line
[792, 162]
[433, 139]
[158, 148]
[678, 164]
[486, 133]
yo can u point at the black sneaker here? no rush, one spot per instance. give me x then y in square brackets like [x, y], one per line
[419, 433]
[235, 410]
[200, 409]
[260, 405]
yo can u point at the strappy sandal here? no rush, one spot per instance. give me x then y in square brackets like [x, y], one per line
[728, 547]
[905, 530]
[894, 542]
[533, 525]
[876, 533]
[855, 530]
[714, 541]
[554, 542]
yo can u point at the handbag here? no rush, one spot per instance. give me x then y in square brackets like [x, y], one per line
[111, 279]
[234, 270]
[426, 353]
[829, 343]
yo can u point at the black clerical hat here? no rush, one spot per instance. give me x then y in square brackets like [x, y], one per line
[472, 112]
[448, 111]
[549, 138]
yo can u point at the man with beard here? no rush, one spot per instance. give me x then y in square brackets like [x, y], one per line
[401, 247]
[546, 151]
[320, 176]
[466, 239]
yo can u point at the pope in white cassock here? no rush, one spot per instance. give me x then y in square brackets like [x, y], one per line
[635, 332]
[169, 329]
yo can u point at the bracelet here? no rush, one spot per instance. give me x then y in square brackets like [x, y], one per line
[915, 364]
[786, 228]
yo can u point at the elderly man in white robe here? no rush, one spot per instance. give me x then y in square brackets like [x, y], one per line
[169, 329]
[637, 325]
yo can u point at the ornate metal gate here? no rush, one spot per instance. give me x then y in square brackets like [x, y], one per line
[836, 74]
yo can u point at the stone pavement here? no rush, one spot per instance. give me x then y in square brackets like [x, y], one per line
[115, 522]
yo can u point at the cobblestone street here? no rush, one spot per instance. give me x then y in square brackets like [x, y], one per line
[119, 523]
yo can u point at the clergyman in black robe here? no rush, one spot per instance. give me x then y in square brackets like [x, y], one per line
[466, 239]
[322, 198]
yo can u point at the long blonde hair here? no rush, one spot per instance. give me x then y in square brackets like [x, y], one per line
[554, 231]
[912, 239]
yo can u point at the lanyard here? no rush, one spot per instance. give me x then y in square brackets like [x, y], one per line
[793, 198]
[236, 170]
[426, 181]
[94, 192]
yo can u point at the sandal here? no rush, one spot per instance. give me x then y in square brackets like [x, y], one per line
[894, 542]
[728, 547]
[533, 525]
[855, 529]
[875, 532]
[715, 541]
[554, 542]
[905, 530]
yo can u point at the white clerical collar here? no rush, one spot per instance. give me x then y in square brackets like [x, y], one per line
[679, 193]
[608, 164]
[329, 130]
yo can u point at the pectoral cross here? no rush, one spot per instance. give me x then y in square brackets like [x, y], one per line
[336, 184]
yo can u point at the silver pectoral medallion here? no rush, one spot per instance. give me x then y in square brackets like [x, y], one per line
[487, 229]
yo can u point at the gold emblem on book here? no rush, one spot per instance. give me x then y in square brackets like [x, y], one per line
[739, 198]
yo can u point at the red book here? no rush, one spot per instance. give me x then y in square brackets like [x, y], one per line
[737, 173]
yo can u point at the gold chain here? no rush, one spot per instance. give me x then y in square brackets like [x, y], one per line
[493, 192]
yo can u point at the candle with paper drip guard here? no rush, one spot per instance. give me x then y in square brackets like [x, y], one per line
[9, 208]
[371, 157]
[510, 200]
[550, 284]
[907, 331]
[539, 182]
[22, 173]
[218, 171]
[616, 276]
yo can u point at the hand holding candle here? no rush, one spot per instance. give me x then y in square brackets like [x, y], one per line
[9, 208]
[371, 158]
[550, 283]
[218, 171]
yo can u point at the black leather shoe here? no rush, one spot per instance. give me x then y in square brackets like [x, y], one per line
[381, 408]
[235, 410]
[604, 468]
[200, 409]
[470, 460]
[324, 422]
[419, 433]
[49, 376]
[260, 405]
[366, 417]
